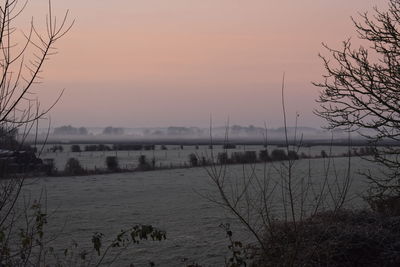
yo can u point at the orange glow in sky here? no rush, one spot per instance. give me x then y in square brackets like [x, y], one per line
[138, 63]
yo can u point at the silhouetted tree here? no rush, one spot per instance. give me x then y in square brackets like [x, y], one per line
[23, 55]
[361, 92]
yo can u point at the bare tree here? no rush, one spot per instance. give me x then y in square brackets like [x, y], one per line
[23, 55]
[274, 201]
[361, 91]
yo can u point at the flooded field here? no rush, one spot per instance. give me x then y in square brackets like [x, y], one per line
[172, 156]
[172, 200]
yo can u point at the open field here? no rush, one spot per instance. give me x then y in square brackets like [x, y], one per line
[168, 199]
[174, 156]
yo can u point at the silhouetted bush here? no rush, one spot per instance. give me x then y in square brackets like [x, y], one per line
[193, 160]
[49, 166]
[222, 158]
[278, 154]
[112, 163]
[292, 155]
[204, 161]
[264, 155]
[75, 148]
[385, 205]
[143, 164]
[73, 167]
[250, 157]
[244, 157]
[342, 238]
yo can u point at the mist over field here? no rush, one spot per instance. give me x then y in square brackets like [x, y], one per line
[190, 134]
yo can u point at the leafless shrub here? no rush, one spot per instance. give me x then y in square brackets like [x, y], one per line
[266, 197]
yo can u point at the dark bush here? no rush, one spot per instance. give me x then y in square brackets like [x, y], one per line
[75, 148]
[48, 166]
[385, 205]
[342, 238]
[264, 155]
[112, 163]
[278, 154]
[292, 155]
[73, 167]
[193, 160]
[204, 161]
[244, 157]
[222, 158]
[143, 164]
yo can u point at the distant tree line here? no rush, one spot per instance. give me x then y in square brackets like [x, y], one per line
[113, 131]
[69, 130]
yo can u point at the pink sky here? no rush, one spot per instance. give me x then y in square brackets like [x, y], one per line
[138, 63]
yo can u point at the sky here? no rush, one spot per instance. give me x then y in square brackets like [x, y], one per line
[148, 63]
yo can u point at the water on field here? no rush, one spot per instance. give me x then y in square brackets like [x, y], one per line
[172, 200]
